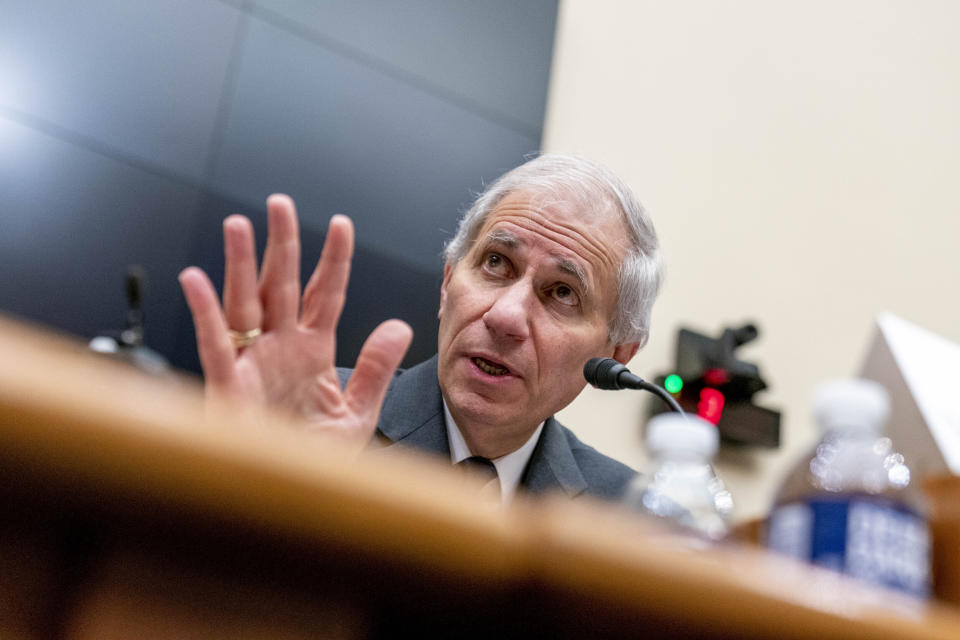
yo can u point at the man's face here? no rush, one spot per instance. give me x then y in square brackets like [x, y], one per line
[521, 313]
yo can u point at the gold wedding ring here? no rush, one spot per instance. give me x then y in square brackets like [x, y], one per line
[243, 339]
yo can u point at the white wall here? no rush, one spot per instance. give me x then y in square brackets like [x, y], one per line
[801, 163]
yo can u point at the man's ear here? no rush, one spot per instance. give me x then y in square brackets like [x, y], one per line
[447, 271]
[623, 353]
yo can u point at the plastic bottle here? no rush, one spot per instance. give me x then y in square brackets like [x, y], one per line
[681, 486]
[849, 505]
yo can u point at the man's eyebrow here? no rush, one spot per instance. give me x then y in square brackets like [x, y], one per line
[571, 268]
[504, 237]
[564, 264]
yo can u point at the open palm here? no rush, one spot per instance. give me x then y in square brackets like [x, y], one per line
[291, 364]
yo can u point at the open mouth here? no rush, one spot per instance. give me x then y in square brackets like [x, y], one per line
[490, 368]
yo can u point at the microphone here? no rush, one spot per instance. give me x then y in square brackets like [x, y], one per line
[607, 373]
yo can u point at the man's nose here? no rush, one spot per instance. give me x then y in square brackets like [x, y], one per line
[509, 314]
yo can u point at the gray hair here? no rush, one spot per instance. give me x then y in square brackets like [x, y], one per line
[587, 185]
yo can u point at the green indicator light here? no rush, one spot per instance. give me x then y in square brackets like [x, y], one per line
[673, 383]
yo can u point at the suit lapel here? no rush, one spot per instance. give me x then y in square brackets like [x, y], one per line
[552, 464]
[412, 414]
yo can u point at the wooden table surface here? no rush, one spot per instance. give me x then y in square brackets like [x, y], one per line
[132, 510]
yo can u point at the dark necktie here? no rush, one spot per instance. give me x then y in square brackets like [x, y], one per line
[485, 470]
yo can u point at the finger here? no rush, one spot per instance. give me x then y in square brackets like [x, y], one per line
[241, 303]
[280, 276]
[217, 353]
[378, 361]
[326, 292]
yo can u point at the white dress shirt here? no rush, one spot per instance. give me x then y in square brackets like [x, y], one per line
[509, 467]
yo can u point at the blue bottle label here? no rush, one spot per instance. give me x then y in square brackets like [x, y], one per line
[867, 537]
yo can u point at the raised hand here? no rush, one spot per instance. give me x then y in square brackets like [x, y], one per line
[267, 346]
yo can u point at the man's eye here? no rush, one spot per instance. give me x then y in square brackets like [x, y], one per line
[495, 263]
[565, 295]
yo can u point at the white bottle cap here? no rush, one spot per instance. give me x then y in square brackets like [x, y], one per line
[674, 433]
[851, 404]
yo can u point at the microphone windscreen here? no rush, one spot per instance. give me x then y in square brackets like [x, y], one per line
[603, 373]
[135, 281]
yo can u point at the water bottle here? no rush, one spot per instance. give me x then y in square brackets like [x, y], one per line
[681, 486]
[850, 505]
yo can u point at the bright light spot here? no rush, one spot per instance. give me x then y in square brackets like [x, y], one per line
[673, 383]
[724, 502]
[899, 475]
[716, 377]
[711, 403]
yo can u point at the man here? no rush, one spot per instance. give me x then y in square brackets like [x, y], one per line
[554, 264]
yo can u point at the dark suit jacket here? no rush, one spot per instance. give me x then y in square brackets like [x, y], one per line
[412, 416]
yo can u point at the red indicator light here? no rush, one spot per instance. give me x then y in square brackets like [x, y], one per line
[710, 407]
[716, 377]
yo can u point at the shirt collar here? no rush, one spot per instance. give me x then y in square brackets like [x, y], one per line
[509, 467]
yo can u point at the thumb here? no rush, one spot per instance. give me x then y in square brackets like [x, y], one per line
[378, 361]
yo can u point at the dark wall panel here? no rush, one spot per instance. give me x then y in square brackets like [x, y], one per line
[142, 78]
[343, 138]
[130, 128]
[493, 55]
[72, 221]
